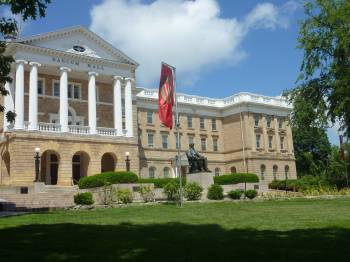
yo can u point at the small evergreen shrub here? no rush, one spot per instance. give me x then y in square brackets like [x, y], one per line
[231, 179]
[215, 192]
[236, 194]
[83, 198]
[147, 194]
[124, 195]
[120, 177]
[161, 182]
[193, 191]
[172, 191]
[251, 193]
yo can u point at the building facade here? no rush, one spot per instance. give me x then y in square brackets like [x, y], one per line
[76, 102]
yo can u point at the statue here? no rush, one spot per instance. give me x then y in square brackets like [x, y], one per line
[197, 162]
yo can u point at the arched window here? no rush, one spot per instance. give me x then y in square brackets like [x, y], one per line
[233, 170]
[275, 169]
[286, 172]
[166, 171]
[217, 171]
[262, 171]
[151, 172]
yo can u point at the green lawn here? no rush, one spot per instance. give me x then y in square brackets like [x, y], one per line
[294, 230]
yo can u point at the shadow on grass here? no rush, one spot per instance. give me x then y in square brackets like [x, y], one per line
[170, 242]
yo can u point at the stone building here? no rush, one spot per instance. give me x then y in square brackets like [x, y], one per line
[76, 100]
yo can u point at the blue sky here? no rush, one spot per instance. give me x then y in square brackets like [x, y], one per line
[250, 45]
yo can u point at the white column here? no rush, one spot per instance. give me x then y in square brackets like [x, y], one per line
[64, 98]
[117, 105]
[9, 103]
[19, 95]
[128, 108]
[33, 96]
[92, 102]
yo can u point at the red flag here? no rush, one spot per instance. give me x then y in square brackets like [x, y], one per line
[166, 96]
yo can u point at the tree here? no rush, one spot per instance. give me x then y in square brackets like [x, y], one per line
[325, 70]
[27, 9]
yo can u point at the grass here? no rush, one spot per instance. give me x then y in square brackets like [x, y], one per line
[289, 230]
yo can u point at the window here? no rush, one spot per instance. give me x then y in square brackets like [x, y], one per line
[280, 122]
[262, 171]
[201, 122]
[204, 144]
[151, 172]
[213, 124]
[150, 138]
[275, 169]
[215, 144]
[41, 87]
[74, 90]
[286, 171]
[282, 142]
[256, 120]
[56, 89]
[166, 172]
[270, 142]
[149, 117]
[268, 121]
[165, 141]
[217, 171]
[257, 138]
[177, 141]
[97, 94]
[189, 121]
[190, 140]
[233, 170]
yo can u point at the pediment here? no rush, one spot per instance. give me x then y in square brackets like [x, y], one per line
[81, 41]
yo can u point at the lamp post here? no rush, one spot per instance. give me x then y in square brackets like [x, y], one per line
[127, 161]
[37, 164]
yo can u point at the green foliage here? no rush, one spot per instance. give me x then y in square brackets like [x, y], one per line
[301, 185]
[193, 191]
[161, 182]
[107, 178]
[231, 179]
[172, 190]
[83, 198]
[236, 194]
[147, 193]
[124, 195]
[251, 193]
[215, 192]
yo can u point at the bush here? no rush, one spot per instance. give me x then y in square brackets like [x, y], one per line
[83, 198]
[124, 195]
[236, 194]
[251, 193]
[215, 192]
[161, 182]
[231, 179]
[172, 190]
[147, 193]
[303, 184]
[193, 191]
[120, 177]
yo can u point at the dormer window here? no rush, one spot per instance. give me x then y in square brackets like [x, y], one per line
[79, 48]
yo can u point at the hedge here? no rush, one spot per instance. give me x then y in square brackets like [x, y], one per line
[120, 177]
[301, 184]
[231, 179]
[161, 182]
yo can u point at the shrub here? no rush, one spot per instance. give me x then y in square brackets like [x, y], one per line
[193, 191]
[231, 179]
[124, 195]
[215, 192]
[83, 198]
[172, 190]
[161, 182]
[120, 177]
[236, 194]
[251, 193]
[147, 193]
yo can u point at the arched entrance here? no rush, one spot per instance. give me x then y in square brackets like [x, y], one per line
[80, 165]
[49, 167]
[108, 162]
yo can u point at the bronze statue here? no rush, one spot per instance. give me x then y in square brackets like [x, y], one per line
[197, 162]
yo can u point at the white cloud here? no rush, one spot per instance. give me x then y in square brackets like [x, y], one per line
[190, 35]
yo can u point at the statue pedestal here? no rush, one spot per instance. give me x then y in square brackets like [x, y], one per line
[204, 179]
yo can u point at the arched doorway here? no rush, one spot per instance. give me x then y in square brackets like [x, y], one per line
[108, 162]
[80, 165]
[49, 167]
